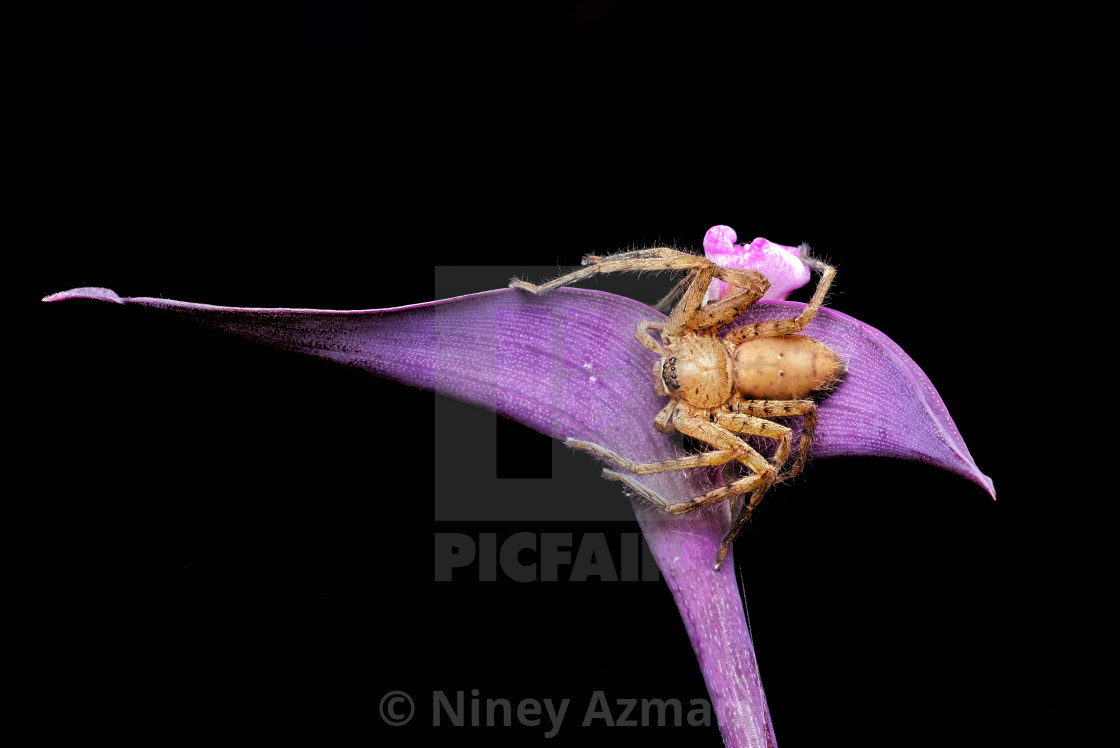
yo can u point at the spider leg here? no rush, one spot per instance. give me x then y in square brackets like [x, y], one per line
[689, 302]
[757, 485]
[715, 458]
[741, 423]
[728, 447]
[647, 340]
[775, 408]
[797, 324]
[764, 409]
[563, 280]
[721, 313]
[741, 486]
[665, 305]
[718, 457]
[658, 258]
[635, 254]
[661, 422]
[691, 313]
[721, 438]
[741, 520]
[808, 429]
[752, 283]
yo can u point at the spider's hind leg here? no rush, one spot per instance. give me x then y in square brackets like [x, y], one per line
[765, 409]
[749, 506]
[755, 485]
[741, 423]
[657, 258]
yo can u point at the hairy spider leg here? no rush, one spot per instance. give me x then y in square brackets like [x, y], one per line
[665, 304]
[752, 282]
[716, 496]
[725, 441]
[728, 446]
[763, 409]
[690, 313]
[777, 327]
[718, 314]
[656, 258]
[661, 422]
[707, 459]
[690, 300]
[647, 340]
[740, 521]
[741, 423]
[755, 485]
[635, 254]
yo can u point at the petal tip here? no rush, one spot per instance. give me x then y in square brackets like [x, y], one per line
[988, 484]
[967, 469]
[89, 292]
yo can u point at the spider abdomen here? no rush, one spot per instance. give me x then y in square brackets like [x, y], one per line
[785, 367]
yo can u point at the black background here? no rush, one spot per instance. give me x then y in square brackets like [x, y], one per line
[232, 540]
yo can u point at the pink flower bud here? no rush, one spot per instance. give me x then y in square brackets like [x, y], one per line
[780, 264]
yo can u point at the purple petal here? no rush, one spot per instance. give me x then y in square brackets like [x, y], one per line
[886, 406]
[567, 364]
[780, 264]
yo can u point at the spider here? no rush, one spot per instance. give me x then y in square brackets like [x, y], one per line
[721, 388]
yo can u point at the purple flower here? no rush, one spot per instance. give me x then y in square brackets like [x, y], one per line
[567, 364]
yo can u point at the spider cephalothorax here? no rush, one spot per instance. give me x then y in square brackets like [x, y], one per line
[699, 371]
[723, 387]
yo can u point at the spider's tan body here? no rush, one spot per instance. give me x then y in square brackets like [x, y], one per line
[707, 373]
[722, 387]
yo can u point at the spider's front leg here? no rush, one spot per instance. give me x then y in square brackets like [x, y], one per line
[656, 258]
[796, 324]
[753, 284]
